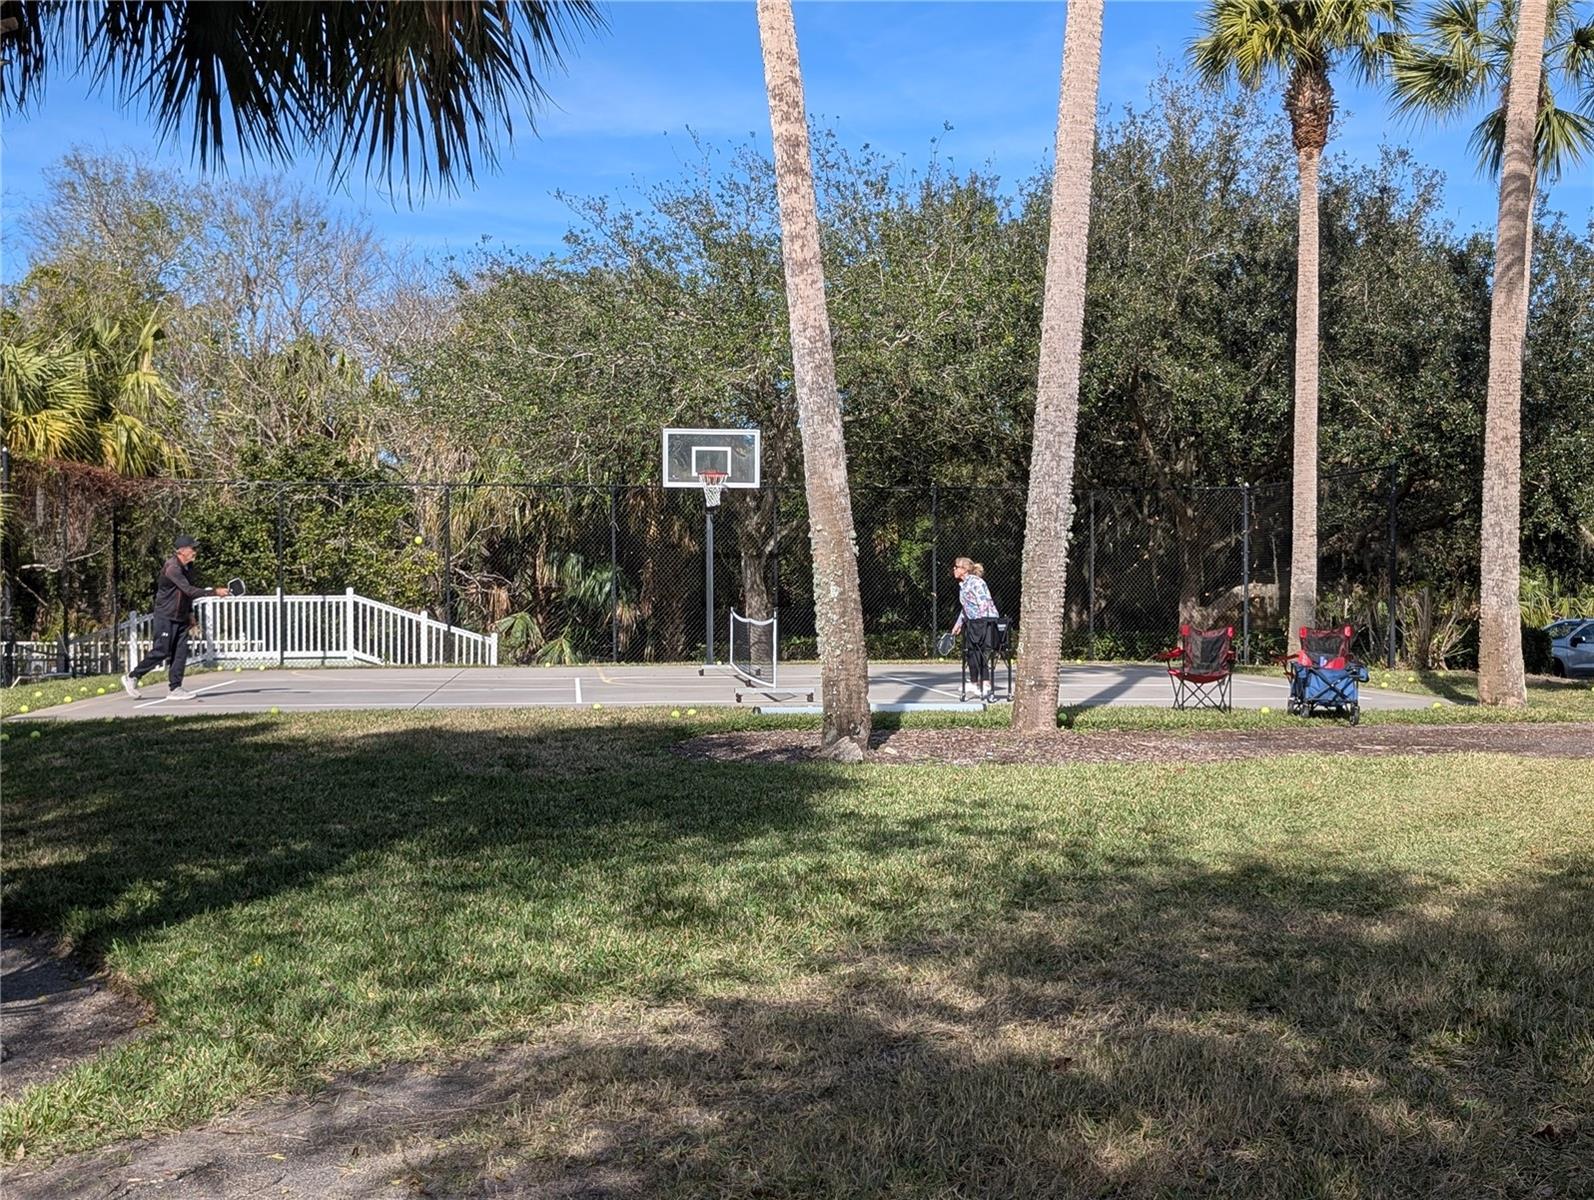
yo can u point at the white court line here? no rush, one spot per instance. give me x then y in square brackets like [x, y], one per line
[926, 686]
[197, 691]
[578, 689]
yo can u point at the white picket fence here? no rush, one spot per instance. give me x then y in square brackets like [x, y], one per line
[264, 630]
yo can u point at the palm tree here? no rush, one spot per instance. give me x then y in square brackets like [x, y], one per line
[425, 82]
[1462, 58]
[838, 609]
[1500, 673]
[1051, 470]
[94, 398]
[1302, 40]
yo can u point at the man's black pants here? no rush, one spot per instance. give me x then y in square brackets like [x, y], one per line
[171, 644]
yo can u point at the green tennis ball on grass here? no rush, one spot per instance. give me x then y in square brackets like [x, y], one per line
[1436, 704]
[1411, 679]
[675, 712]
[38, 695]
[595, 707]
[101, 692]
[23, 709]
[691, 712]
[417, 539]
[1266, 710]
[34, 734]
[275, 710]
[67, 699]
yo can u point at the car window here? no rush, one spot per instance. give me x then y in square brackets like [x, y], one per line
[1559, 629]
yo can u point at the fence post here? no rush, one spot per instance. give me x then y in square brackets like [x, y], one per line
[614, 573]
[423, 656]
[448, 571]
[935, 563]
[282, 600]
[1090, 581]
[1394, 508]
[348, 623]
[132, 645]
[116, 598]
[1245, 573]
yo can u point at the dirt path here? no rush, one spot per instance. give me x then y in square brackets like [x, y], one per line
[55, 1011]
[973, 746]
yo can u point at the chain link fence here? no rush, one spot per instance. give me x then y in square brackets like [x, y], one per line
[574, 573]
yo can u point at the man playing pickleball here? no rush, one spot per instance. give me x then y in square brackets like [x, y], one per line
[175, 594]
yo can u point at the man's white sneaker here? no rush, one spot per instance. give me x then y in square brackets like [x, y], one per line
[130, 686]
[178, 693]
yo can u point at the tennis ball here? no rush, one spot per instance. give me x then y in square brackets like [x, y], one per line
[38, 695]
[83, 690]
[34, 734]
[675, 712]
[417, 539]
[597, 706]
[1266, 710]
[67, 699]
[1411, 679]
[101, 692]
[275, 710]
[23, 709]
[691, 712]
[1436, 704]
[261, 667]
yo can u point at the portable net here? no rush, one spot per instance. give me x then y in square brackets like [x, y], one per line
[753, 644]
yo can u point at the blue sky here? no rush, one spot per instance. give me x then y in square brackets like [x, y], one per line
[891, 74]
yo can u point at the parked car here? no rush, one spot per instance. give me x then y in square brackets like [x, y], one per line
[1571, 646]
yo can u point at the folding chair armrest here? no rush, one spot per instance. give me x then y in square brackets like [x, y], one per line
[1166, 655]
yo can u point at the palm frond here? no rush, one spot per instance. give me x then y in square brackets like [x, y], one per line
[421, 88]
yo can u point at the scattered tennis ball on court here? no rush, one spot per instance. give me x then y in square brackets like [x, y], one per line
[1436, 704]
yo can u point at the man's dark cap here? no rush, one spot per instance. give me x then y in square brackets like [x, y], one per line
[183, 542]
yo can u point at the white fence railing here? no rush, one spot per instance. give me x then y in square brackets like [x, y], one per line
[264, 630]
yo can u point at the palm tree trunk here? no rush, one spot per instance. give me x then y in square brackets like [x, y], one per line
[838, 610]
[1051, 471]
[1303, 538]
[1500, 673]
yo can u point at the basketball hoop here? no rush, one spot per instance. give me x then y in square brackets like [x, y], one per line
[713, 485]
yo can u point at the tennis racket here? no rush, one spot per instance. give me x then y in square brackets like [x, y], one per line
[944, 644]
[235, 587]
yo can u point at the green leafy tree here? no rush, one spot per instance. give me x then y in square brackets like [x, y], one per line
[1301, 41]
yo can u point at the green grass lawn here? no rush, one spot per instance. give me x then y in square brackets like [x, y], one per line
[30, 697]
[1289, 977]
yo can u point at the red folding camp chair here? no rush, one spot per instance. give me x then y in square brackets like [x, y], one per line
[1201, 668]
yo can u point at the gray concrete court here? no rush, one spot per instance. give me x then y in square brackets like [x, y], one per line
[321, 688]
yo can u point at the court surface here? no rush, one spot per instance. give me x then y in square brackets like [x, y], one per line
[914, 684]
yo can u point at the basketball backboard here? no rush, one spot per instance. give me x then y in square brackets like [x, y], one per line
[690, 452]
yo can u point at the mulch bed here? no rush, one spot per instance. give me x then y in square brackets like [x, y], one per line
[974, 747]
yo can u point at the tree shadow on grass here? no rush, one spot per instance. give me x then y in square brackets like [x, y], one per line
[1148, 1029]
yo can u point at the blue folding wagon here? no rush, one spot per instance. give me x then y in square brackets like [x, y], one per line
[1324, 677]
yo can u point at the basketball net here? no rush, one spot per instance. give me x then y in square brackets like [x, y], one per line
[713, 485]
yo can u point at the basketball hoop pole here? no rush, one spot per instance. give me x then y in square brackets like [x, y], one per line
[708, 585]
[712, 482]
